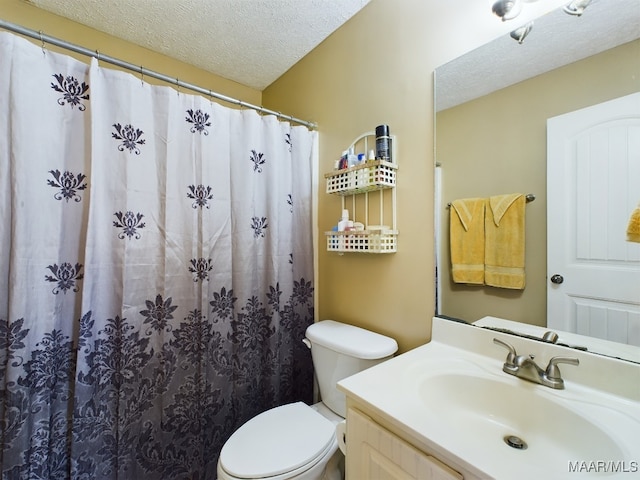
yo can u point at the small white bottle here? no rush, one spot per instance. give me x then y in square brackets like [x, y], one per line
[342, 224]
[352, 158]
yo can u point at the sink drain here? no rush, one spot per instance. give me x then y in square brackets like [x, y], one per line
[515, 442]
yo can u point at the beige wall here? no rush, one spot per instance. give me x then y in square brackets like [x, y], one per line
[504, 150]
[21, 13]
[360, 77]
[378, 68]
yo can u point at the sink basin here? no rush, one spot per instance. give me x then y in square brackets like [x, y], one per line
[504, 422]
[521, 419]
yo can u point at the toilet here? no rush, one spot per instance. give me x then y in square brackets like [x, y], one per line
[298, 441]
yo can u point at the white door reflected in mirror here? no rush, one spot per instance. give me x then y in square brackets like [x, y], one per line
[593, 185]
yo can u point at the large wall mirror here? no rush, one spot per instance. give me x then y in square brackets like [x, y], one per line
[492, 106]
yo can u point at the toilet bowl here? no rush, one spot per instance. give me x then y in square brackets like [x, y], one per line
[298, 441]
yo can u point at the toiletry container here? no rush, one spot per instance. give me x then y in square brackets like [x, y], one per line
[383, 143]
[344, 221]
[352, 158]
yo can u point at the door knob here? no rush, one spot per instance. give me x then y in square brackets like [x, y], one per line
[557, 279]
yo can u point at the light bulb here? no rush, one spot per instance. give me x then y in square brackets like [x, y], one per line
[507, 9]
[576, 7]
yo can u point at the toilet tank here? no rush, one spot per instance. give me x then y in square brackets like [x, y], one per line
[338, 351]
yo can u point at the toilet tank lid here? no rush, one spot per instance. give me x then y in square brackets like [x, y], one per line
[351, 340]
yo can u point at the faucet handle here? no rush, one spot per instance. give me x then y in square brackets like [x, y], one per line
[510, 362]
[553, 372]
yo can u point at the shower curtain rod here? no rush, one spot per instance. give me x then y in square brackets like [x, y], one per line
[144, 71]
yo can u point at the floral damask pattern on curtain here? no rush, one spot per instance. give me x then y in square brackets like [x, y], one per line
[155, 275]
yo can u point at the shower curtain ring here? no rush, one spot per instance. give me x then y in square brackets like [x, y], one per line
[44, 52]
[141, 75]
[98, 55]
[178, 85]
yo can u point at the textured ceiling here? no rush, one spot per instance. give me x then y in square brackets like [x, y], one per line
[556, 39]
[252, 42]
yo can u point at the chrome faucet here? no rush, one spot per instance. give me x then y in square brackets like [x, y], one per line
[523, 366]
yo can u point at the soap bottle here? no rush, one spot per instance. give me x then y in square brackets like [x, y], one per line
[352, 158]
[361, 174]
[342, 224]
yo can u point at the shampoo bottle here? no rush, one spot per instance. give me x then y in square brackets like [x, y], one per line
[342, 224]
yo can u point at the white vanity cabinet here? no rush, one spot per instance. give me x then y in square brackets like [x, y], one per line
[373, 452]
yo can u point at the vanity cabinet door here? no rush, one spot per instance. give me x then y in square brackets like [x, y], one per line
[375, 453]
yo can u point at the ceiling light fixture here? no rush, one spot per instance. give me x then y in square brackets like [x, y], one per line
[576, 7]
[520, 33]
[507, 9]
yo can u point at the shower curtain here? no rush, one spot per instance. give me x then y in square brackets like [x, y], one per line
[155, 271]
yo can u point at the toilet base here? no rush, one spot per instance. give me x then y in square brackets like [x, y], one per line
[335, 467]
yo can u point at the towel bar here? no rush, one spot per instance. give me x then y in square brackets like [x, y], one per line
[529, 197]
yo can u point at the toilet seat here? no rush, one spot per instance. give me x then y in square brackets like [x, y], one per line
[284, 440]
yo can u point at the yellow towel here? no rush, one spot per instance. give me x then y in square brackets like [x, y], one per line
[633, 229]
[504, 241]
[466, 226]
